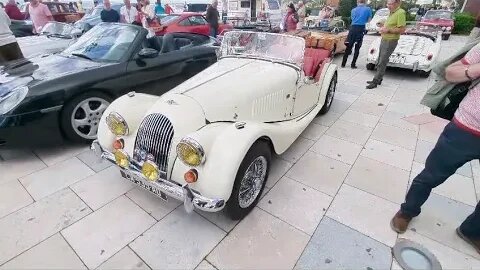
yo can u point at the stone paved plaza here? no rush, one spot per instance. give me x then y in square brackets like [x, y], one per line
[328, 201]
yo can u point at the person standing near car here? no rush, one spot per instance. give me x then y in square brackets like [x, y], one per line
[291, 19]
[13, 11]
[390, 31]
[212, 18]
[39, 14]
[9, 49]
[301, 14]
[158, 8]
[360, 15]
[458, 144]
[108, 14]
[127, 12]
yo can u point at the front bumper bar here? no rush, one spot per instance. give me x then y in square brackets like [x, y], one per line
[191, 199]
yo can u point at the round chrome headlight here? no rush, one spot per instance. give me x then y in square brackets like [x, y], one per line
[190, 152]
[449, 28]
[117, 124]
[121, 158]
[444, 28]
[11, 99]
[150, 170]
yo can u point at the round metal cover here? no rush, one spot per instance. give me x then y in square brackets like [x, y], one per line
[412, 256]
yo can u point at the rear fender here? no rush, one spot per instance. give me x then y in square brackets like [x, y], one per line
[327, 76]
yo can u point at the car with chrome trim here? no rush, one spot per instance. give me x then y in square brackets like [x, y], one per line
[209, 141]
[76, 85]
[442, 19]
[378, 20]
[418, 49]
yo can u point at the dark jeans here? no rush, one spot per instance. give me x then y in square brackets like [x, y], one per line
[213, 31]
[454, 148]
[354, 39]
[10, 52]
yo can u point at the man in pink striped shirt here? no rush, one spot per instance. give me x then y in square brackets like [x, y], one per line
[458, 144]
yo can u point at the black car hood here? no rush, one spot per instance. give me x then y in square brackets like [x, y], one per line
[31, 72]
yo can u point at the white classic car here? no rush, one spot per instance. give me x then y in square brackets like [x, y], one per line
[209, 141]
[417, 50]
[378, 19]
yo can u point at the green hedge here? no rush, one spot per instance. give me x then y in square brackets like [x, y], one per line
[464, 23]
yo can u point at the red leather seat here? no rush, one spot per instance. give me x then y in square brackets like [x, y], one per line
[313, 59]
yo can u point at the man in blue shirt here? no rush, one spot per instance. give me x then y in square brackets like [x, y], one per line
[360, 16]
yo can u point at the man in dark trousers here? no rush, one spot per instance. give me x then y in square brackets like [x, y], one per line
[212, 18]
[108, 14]
[360, 16]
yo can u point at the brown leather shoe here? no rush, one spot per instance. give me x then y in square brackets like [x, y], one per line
[474, 243]
[400, 222]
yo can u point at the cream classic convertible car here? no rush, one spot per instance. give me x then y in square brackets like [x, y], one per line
[209, 141]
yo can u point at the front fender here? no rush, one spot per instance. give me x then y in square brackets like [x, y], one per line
[327, 77]
[132, 107]
[225, 146]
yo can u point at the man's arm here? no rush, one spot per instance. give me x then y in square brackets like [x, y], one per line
[47, 13]
[457, 72]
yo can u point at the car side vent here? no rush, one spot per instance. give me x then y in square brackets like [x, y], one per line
[267, 103]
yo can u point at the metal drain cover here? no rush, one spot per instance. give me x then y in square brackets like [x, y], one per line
[412, 256]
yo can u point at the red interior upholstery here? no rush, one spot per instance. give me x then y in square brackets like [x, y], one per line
[313, 60]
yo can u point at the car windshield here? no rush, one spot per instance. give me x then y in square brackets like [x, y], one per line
[57, 29]
[104, 42]
[273, 4]
[268, 46]
[383, 12]
[168, 19]
[196, 7]
[438, 14]
[314, 12]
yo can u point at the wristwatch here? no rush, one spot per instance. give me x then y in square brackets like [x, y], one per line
[466, 73]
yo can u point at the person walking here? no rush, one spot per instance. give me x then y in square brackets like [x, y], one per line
[291, 19]
[158, 8]
[420, 12]
[360, 16]
[39, 14]
[212, 18]
[128, 14]
[9, 49]
[391, 30]
[13, 11]
[458, 144]
[108, 14]
[301, 14]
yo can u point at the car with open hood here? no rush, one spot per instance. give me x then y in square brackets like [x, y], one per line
[209, 141]
[77, 84]
[418, 49]
[442, 19]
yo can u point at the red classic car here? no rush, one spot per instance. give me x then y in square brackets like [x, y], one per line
[61, 12]
[439, 18]
[187, 22]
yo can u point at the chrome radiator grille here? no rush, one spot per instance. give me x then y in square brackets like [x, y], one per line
[154, 139]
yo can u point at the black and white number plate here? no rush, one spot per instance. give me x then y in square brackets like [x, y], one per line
[144, 185]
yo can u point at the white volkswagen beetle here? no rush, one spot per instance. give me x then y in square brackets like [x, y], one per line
[209, 141]
[418, 49]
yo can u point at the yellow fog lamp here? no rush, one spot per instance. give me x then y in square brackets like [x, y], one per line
[190, 152]
[150, 170]
[121, 158]
[117, 124]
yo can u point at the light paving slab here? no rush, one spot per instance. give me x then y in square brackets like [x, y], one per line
[374, 97]
[52, 179]
[338, 149]
[278, 169]
[152, 204]
[439, 218]
[368, 107]
[13, 197]
[204, 265]
[296, 204]
[349, 98]
[349, 88]
[396, 136]
[365, 213]
[101, 188]
[221, 219]
[297, 150]
[260, 241]
[179, 241]
[367, 120]
[406, 109]
[53, 253]
[105, 232]
[125, 259]
[339, 106]
[431, 131]
[326, 119]
[319, 172]
[389, 154]
[18, 164]
[380, 179]
[476, 177]
[31, 225]
[422, 150]
[397, 120]
[95, 163]
[314, 131]
[336, 246]
[350, 132]
[54, 155]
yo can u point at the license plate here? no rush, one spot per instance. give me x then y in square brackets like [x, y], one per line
[397, 59]
[145, 186]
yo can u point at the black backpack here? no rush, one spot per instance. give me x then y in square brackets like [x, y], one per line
[449, 105]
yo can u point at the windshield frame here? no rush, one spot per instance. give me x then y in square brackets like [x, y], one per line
[135, 44]
[66, 36]
[227, 37]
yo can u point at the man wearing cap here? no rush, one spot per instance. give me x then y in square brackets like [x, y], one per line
[360, 16]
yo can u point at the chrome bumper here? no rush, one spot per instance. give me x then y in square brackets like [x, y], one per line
[162, 187]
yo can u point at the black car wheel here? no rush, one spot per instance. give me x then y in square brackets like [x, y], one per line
[80, 117]
[445, 36]
[330, 94]
[370, 66]
[250, 180]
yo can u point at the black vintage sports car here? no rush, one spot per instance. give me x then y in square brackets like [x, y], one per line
[108, 61]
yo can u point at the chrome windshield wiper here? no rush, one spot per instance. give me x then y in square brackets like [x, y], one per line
[81, 55]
